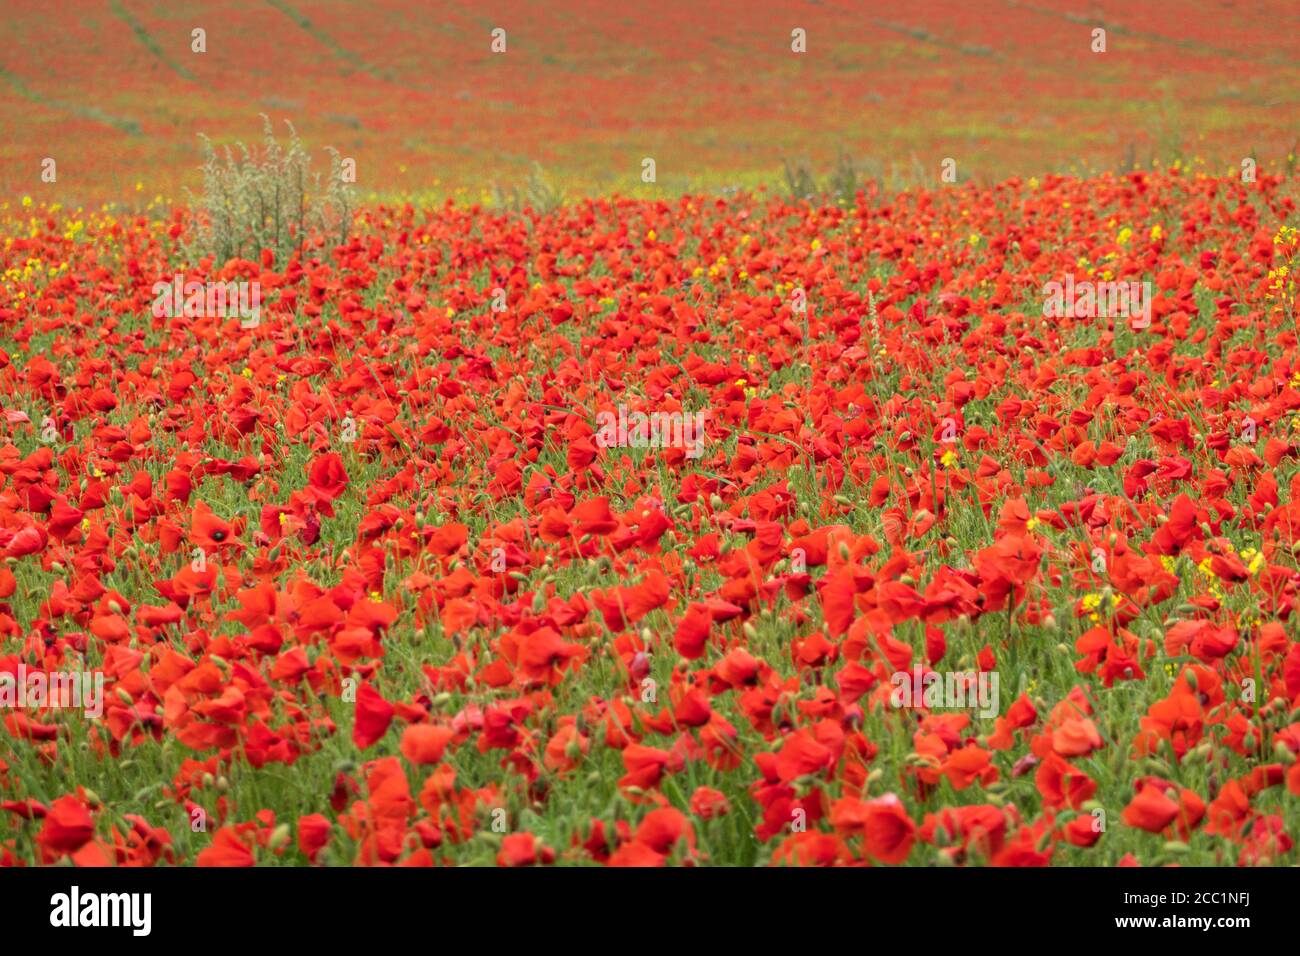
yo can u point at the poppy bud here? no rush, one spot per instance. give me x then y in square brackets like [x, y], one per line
[1177, 846]
[1284, 753]
[279, 837]
[1190, 675]
[223, 784]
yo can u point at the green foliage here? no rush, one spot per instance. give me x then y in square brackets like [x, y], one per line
[268, 199]
[800, 183]
[538, 194]
[840, 186]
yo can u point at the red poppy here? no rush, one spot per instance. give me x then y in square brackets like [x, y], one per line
[373, 715]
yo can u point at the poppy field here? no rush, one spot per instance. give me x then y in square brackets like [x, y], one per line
[114, 90]
[953, 523]
[361, 582]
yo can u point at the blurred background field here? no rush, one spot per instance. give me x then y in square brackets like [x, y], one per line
[588, 88]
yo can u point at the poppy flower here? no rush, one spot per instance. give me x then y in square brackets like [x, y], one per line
[1151, 810]
[887, 831]
[313, 835]
[66, 827]
[373, 715]
[425, 743]
[327, 476]
[228, 849]
[207, 531]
